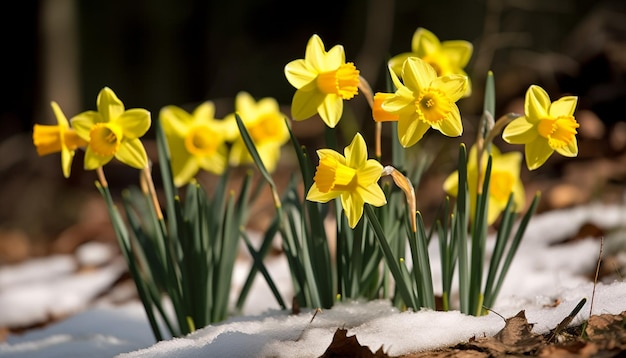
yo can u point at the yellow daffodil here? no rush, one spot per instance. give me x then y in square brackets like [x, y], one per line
[504, 180]
[265, 124]
[323, 80]
[113, 132]
[546, 127]
[425, 100]
[196, 140]
[58, 138]
[354, 178]
[447, 57]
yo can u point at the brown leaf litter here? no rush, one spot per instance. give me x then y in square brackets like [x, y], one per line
[601, 336]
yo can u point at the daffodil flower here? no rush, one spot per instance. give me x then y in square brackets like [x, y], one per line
[113, 132]
[504, 180]
[196, 140]
[545, 128]
[447, 57]
[265, 124]
[58, 138]
[323, 80]
[352, 177]
[425, 100]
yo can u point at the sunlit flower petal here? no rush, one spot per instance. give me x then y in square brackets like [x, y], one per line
[452, 126]
[353, 207]
[519, 131]
[109, 106]
[537, 153]
[353, 177]
[134, 122]
[537, 104]
[299, 73]
[411, 130]
[315, 194]
[330, 110]
[305, 103]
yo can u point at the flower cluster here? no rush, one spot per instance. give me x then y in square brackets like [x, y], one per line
[110, 132]
[196, 140]
[426, 86]
[429, 81]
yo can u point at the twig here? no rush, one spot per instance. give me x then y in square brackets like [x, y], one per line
[595, 279]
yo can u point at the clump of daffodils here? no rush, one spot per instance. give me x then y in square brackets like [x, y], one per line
[188, 255]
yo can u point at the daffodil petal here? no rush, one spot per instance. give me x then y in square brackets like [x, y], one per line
[519, 131]
[494, 208]
[394, 77]
[458, 52]
[536, 104]
[270, 154]
[331, 110]
[93, 161]
[335, 57]
[353, 207]
[175, 120]
[570, 150]
[396, 62]
[509, 162]
[451, 184]
[411, 130]
[356, 152]
[134, 122]
[519, 196]
[315, 52]
[424, 42]
[370, 172]
[132, 153]
[184, 172]
[109, 106]
[228, 127]
[564, 106]
[451, 125]
[454, 86]
[83, 122]
[58, 113]
[316, 195]
[215, 163]
[537, 152]
[245, 104]
[205, 111]
[305, 103]
[417, 74]
[325, 152]
[299, 73]
[66, 161]
[372, 194]
[402, 99]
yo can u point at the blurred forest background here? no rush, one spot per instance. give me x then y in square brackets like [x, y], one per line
[156, 53]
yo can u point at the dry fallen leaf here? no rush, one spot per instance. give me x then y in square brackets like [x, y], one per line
[344, 346]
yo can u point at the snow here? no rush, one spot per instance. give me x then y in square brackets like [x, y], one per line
[540, 275]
